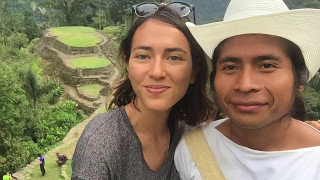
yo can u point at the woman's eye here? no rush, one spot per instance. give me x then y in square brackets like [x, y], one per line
[174, 58]
[142, 56]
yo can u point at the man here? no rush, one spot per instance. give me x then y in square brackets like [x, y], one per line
[43, 171]
[61, 159]
[264, 54]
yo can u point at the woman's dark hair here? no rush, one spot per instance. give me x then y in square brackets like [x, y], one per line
[299, 69]
[195, 107]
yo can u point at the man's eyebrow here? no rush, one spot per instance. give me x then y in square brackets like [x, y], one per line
[142, 47]
[228, 59]
[266, 57]
[256, 59]
[175, 49]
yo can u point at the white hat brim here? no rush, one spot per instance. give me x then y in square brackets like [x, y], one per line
[301, 26]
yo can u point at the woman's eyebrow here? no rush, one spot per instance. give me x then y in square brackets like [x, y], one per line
[175, 49]
[142, 47]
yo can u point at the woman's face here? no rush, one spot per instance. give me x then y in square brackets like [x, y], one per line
[160, 65]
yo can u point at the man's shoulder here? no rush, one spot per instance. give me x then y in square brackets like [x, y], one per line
[305, 135]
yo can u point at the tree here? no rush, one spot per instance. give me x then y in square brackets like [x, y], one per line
[312, 102]
[315, 82]
[72, 11]
[30, 26]
[36, 90]
[4, 20]
[120, 9]
[18, 40]
[14, 115]
[311, 4]
[101, 20]
[31, 86]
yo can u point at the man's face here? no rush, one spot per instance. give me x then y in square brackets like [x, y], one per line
[254, 80]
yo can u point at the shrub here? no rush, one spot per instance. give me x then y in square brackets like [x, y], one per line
[312, 101]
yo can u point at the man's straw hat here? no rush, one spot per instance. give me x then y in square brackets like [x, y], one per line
[301, 26]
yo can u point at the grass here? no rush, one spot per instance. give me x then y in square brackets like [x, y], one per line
[101, 110]
[89, 62]
[111, 30]
[53, 171]
[69, 150]
[91, 89]
[76, 36]
[69, 168]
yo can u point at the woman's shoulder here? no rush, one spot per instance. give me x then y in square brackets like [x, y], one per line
[105, 124]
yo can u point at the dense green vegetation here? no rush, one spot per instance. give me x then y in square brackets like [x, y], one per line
[33, 116]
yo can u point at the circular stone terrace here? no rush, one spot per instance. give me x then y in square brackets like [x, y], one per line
[84, 61]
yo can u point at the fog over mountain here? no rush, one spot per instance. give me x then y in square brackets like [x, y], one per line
[213, 10]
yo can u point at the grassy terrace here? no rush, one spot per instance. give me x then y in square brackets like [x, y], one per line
[89, 62]
[53, 171]
[91, 89]
[76, 36]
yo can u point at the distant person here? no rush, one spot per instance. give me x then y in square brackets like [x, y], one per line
[7, 176]
[61, 159]
[263, 55]
[43, 171]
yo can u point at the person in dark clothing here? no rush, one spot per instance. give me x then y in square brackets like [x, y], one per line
[61, 159]
[43, 171]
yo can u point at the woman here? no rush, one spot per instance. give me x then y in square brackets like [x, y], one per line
[164, 70]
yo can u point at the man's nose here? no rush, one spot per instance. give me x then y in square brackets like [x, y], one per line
[247, 81]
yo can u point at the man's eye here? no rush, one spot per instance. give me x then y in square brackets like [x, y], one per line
[267, 66]
[229, 68]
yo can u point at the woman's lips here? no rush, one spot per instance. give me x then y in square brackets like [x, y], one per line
[156, 89]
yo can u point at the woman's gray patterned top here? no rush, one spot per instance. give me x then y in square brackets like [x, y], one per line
[109, 148]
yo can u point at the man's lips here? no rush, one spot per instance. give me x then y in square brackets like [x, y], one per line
[248, 106]
[156, 89]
